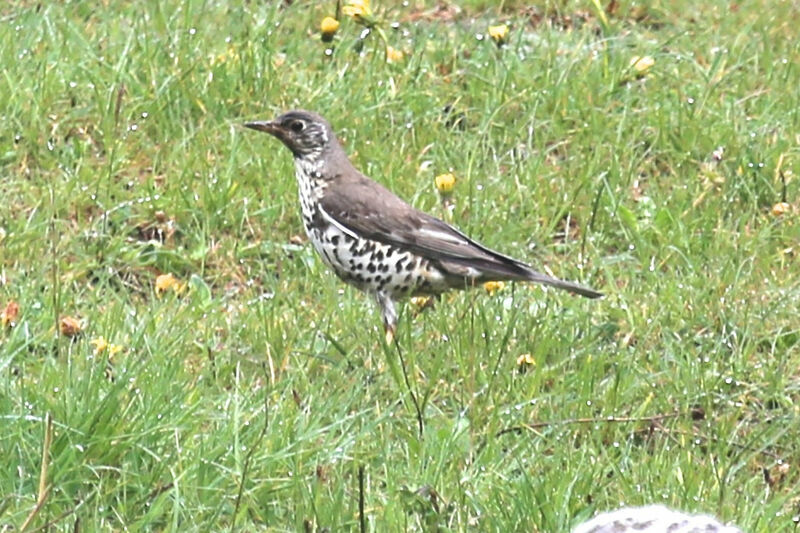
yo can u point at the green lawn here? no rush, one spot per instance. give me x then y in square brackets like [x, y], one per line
[256, 394]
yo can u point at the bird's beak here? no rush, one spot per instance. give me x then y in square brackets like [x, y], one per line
[267, 126]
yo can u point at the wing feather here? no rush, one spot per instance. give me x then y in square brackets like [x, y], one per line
[369, 209]
[366, 208]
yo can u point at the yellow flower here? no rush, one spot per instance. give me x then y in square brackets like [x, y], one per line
[421, 302]
[328, 27]
[445, 183]
[526, 359]
[101, 345]
[499, 33]
[493, 286]
[166, 282]
[114, 349]
[393, 55]
[357, 9]
[781, 208]
[641, 64]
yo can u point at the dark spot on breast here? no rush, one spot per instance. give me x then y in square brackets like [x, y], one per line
[384, 267]
[371, 268]
[378, 256]
[398, 266]
[335, 240]
[410, 266]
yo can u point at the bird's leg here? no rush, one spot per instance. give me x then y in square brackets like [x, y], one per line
[389, 314]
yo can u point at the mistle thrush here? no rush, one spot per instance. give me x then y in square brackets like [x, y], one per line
[375, 241]
[653, 519]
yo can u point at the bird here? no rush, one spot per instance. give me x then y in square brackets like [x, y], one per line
[374, 240]
[653, 519]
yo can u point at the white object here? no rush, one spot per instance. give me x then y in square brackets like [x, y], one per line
[653, 519]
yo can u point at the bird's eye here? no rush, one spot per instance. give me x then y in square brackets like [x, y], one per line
[297, 126]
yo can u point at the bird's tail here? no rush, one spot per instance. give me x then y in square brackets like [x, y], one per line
[494, 266]
[575, 288]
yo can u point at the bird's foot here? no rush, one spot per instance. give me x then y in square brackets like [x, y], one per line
[389, 335]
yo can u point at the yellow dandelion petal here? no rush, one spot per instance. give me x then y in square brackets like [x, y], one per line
[493, 286]
[420, 301]
[357, 8]
[642, 64]
[445, 183]
[781, 208]
[114, 349]
[328, 27]
[526, 359]
[393, 55]
[100, 344]
[166, 282]
[499, 33]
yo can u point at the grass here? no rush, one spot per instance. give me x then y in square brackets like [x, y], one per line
[253, 398]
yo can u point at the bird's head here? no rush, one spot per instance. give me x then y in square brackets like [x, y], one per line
[306, 134]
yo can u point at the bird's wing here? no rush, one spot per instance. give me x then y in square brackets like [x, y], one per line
[366, 208]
